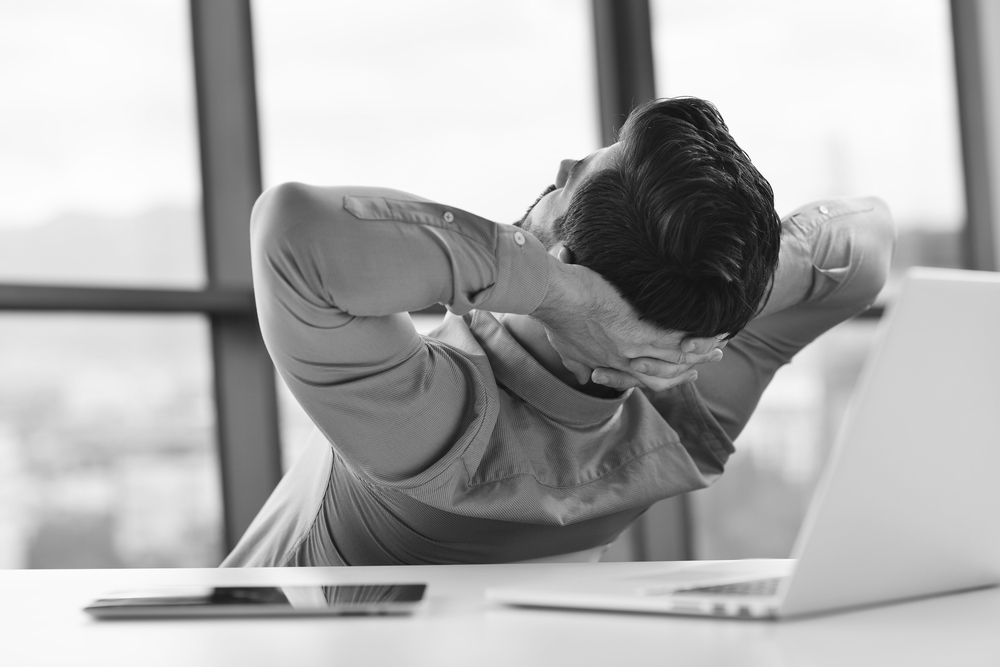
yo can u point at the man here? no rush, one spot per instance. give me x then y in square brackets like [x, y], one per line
[515, 430]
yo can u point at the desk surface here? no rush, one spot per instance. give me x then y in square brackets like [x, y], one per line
[42, 624]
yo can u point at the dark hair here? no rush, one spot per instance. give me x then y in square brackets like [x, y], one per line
[683, 225]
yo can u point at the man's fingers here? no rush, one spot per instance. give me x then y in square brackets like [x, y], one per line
[614, 379]
[703, 345]
[656, 368]
[661, 384]
[622, 381]
[709, 357]
[579, 371]
[698, 345]
[705, 350]
[670, 368]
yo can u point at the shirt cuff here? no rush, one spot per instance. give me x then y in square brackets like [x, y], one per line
[522, 274]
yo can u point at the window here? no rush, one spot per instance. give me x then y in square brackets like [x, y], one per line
[107, 426]
[107, 454]
[99, 166]
[107, 445]
[845, 97]
[469, 103]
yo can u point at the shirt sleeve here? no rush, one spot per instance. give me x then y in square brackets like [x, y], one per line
[835, 258]
[335, 272]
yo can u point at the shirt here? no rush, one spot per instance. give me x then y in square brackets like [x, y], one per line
[459, 447]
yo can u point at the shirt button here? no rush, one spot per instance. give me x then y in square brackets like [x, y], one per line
[449, 216]
[824, 210]
[518, 238]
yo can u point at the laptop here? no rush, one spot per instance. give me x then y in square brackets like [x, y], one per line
[908, 505]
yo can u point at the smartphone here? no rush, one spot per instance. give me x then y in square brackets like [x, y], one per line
[190, 602]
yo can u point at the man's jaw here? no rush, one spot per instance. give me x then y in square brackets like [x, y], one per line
[524, 218]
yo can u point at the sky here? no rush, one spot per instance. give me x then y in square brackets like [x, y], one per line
[97, 113]
[472, 103]
[844, 97]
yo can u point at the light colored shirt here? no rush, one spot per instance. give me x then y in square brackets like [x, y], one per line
[459, 447]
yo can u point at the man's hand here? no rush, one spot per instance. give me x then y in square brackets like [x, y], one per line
[597, 334]
[658, 374]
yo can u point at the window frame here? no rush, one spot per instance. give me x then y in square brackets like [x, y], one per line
[243, 375]
[244, 379]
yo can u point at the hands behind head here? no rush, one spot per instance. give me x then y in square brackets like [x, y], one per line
[658, 374]
[599, 336]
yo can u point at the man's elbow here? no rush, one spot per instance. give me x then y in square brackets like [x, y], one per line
[274, 212]
[876, 244]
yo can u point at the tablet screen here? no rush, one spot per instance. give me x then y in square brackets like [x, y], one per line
[341, 599]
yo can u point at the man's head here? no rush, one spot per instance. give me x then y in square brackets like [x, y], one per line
[674, 215]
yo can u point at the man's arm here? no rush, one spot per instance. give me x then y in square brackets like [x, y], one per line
[835, 258]
[835, 254]
[335, 272]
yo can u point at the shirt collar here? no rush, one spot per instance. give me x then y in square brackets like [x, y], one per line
[514, 368]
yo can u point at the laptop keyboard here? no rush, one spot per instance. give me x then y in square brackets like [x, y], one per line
[756, 587]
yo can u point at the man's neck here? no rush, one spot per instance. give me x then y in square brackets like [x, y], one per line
[529, 332]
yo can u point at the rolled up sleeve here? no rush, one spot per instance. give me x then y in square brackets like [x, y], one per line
[335, 272]
[835, 258]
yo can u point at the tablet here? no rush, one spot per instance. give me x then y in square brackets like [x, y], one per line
[333, 600]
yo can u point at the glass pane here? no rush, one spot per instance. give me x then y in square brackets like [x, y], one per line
[99, 171]
[756, 508]
[469, 103]
[830, 97]
[295, 425]
[107, 448]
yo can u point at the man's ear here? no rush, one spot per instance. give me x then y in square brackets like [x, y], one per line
[562, 253]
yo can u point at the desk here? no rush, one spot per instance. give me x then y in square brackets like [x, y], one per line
[42, 624]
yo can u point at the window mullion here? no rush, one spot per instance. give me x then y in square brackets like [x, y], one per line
[246, 405]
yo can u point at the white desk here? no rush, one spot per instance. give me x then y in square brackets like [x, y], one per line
[42, 624]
